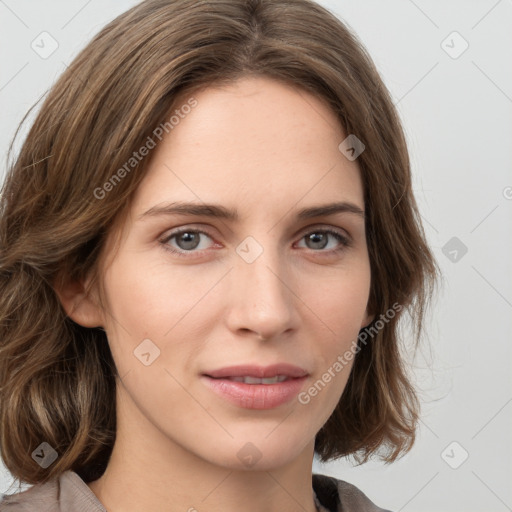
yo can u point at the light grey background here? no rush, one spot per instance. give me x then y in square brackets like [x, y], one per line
[457, 113]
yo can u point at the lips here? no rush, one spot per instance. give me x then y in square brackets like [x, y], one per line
[283, 371]
[256, 387]
[256, 380]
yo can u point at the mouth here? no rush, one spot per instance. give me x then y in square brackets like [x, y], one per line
[279, 371]
[247, 379]
[256, 387]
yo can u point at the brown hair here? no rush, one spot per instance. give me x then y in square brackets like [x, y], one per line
[57, 378]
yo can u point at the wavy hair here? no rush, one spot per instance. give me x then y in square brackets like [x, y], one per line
[57, 378]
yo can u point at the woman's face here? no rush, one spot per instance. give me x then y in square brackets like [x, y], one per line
[270, 286]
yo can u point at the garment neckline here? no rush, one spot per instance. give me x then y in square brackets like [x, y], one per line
[76, 480]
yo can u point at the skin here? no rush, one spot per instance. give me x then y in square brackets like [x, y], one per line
[267, 150]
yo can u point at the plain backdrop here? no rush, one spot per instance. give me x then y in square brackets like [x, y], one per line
[448, 66]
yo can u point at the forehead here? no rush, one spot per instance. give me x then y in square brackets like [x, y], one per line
[255, 144]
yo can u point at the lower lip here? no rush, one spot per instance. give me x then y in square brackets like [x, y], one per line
[255, 396]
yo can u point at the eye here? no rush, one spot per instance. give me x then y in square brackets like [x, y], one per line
[189, 240]
[319, 239]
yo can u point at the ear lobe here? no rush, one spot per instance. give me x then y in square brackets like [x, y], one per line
[367, 320]
[78, 305]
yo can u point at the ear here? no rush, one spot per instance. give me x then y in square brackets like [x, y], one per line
[367, 319]
[79, 306]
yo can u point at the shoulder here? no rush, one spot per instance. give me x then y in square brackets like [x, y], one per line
[38, 497]
[62, 494]
[340, 496]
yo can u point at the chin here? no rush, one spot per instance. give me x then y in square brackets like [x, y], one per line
[259, 452]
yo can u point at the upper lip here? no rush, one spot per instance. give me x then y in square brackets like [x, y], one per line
[249, 370]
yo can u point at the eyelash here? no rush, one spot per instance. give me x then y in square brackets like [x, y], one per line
[345, 242]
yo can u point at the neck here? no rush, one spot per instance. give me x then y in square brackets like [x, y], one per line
[149, 471]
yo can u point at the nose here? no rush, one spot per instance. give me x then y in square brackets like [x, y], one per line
[261, 296]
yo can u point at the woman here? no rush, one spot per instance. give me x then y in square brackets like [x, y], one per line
[207, 241]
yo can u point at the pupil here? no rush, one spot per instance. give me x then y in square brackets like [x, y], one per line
[188, 238]
[316, 237]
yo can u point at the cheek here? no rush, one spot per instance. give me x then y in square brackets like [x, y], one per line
[342, 300]
[170, 305]
[340, 310]
[345, 309]
[149, 297]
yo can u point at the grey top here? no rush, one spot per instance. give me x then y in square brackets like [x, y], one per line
[69, 493]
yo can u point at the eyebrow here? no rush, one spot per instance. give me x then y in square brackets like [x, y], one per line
[221, 212]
